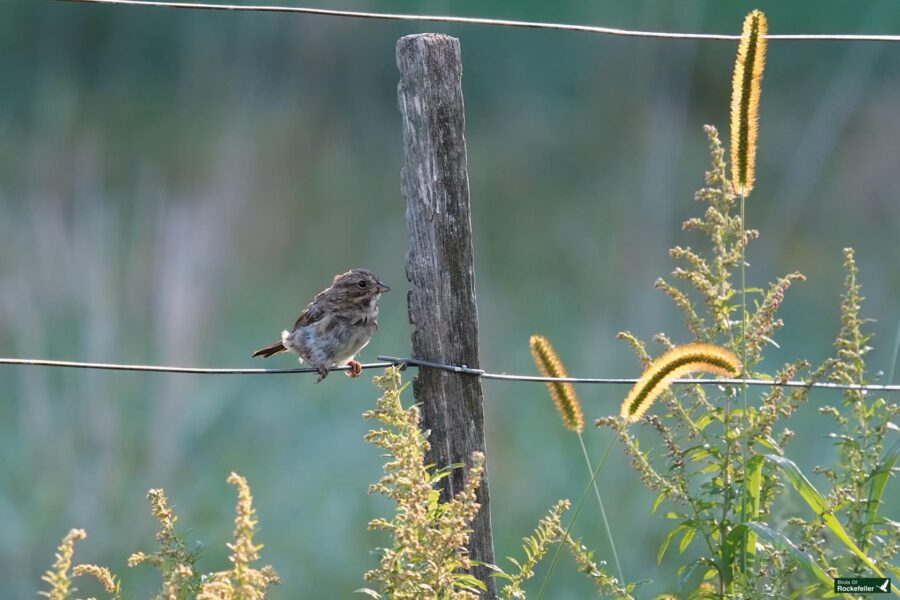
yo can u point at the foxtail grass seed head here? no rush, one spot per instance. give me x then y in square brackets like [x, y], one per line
[563, 394]
[674, 364]
[745, 89]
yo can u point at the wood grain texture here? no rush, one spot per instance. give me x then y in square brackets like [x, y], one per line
[440, 265]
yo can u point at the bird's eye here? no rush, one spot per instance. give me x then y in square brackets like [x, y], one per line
[362, 283]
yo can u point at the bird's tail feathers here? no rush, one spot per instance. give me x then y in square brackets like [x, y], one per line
[270, 350]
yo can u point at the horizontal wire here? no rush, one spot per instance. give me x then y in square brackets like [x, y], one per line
[630, 381]
[487, 21]
[166, 369]
[389, 361]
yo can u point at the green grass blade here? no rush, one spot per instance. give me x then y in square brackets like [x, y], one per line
[876, 491]
[752, 486]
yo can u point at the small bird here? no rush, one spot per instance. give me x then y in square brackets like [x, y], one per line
[336, 325]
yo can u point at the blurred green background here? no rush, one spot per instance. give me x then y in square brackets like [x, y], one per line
[175, 185]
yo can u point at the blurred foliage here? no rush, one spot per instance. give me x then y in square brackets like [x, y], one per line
[176, 185]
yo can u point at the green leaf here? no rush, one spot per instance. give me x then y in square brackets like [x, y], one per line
[879, 481]
[368, 592]
[495, 570]
[783, 543]
[710, 468]
[667, 540]
[817, 503]
[705, 420]
[769, 442]
[469, 582]
[698, 453]
[686, 538]
[657, 502]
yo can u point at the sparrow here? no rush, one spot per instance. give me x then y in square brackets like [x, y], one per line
[336, 325]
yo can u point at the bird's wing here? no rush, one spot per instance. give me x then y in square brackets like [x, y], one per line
[312, 313]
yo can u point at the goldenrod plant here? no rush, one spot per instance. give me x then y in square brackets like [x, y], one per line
[176, 565]
[242, 581]
[427, 556]
[60, 580]
[723, 469]
[550, 531]
[173, 561]
[859, 479]
[57, 577]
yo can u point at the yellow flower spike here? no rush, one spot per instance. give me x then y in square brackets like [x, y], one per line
[563, 394]
[745, 88]
[674, 364]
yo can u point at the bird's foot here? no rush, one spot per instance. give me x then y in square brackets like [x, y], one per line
[355, 369]
[323, 373]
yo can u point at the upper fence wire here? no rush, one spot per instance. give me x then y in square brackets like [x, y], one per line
[846, 37]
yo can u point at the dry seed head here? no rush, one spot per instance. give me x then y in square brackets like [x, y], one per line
[745, 88]
[674, 364]
[102, 574]
[563, 394]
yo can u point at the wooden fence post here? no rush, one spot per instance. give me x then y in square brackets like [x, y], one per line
[440, 265]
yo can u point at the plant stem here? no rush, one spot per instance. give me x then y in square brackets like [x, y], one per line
[745, 416]
[744, 311]
[609, 535]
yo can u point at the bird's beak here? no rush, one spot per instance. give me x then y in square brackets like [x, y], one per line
[382, 288]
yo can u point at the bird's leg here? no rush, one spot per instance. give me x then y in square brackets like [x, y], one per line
[355, 369]
[323, 372]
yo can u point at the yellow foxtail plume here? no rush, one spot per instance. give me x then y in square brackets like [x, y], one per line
[674, 364]
[563, 394]
[745, 88]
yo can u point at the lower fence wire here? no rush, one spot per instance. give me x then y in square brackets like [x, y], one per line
[388, 361]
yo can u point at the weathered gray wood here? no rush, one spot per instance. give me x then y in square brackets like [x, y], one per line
[440, 265]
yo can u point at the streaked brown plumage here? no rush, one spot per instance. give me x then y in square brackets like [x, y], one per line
[336, 325]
